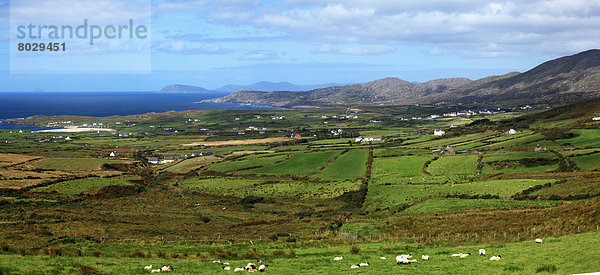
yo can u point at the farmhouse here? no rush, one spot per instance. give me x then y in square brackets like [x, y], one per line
[596, 119]
[364, 139]
[511, 132]
[167, 160]
[153, 160]
[438, 132]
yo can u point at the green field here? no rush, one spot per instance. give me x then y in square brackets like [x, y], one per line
[230, 166]
[299, 164]
[458, 205]
[587, 162]
[350, 165]
[584, 138]
[399, 169]
[458, 166]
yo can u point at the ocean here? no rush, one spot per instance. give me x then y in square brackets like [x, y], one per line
[100, 104]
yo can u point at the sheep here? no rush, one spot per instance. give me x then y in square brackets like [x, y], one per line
[382, 258]
[166, 268]
[238, 269]
[148, 267]
[225, 263]
[425, 257]
[456, 255]
[217, 261]
[538, 240]
[338, 258]
[226, 268]
[354, 266]
[364, 264]
[465, 255]
[155, 271]
[404, 259]
[495, 258]
[263, 267]
[251, 267]
[482, 252]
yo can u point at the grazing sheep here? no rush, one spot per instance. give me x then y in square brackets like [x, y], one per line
[538, 240]
[226, 268]
[354, 266]
[495, 258]
[148, 267]
[404, 259]
[482, 252]
[217, 261]
[251, 267]
[155, 271]
[465, 255]
[166, 268]
[238, 269]
[456, 255]
[364, 264]
[338, 258]
[382, 258]
[263, 267]
[425, 257]
[225, 263]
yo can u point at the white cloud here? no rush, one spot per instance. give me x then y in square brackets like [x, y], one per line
[260, 55]
[356, 49]
[181, 47]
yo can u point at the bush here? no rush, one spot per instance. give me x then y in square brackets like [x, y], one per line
[97, 253]
[546, 268]
[354, 250]
[279, 252]
[134, 254]
[251, 254]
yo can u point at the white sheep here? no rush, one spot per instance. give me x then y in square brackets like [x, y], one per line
[425, 257]
[482, 252]
[155, 271]
[238, 269]
[226, 268]
[465, 255]
[217, 261]
[363, 264]
[538, 240]
[354, 266]
[338, 258]
[456, 255]
[251, 267]
[148, 267]
[382, 258]
[495, 258]
[166, 268]
[263, 267]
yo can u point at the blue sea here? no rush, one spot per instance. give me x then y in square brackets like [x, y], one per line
[100, 104]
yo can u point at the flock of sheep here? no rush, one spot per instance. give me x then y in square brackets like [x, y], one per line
[401, 259]
[406, 259]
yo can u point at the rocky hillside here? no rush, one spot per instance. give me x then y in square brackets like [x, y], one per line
[565, 79]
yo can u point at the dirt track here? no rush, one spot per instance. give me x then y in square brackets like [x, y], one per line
[238, 142]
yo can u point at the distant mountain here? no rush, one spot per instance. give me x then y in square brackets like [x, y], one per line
[566, 79]
[266, 86]
[177, 88]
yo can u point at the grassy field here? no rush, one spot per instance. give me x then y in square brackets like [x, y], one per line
[525, 257]
[458, 205]
[454, 167]
[350, 165]
[85, 186]
[399, 169]
[587, 162]
[584, 138]
[230, 166]
[72, 164]
[299, 164]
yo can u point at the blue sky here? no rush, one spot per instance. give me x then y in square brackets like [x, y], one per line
[214, 43]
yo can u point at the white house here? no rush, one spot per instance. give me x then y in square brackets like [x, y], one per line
[596, 119]
[512, 131]
[438, 132]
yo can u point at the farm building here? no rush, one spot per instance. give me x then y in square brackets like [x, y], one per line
[511, 132]
[167, 160]
[364, 139]
[438, 132]
[596, 119]
[153, 160]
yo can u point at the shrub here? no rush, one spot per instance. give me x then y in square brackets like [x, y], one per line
[85, 270]
[97, 253]
[279, 252]
[546, 268]
[134, 254]
[354, 250]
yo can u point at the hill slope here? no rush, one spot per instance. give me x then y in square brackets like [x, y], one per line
[566, 79]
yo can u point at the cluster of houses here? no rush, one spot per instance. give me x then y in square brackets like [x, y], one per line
[165, 160]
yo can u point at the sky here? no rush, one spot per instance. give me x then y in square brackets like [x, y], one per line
[213, 43]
